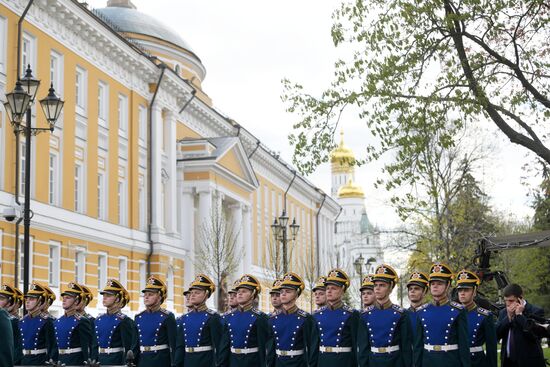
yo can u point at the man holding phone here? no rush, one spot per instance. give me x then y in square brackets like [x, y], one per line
[520, 347]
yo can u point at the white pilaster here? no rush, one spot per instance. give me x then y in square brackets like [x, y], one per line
[205, 207]
[247, 238]
[171, 201]
[156, 167]
[237, 225]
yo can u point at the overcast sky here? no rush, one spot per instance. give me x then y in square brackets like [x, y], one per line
[248, 46]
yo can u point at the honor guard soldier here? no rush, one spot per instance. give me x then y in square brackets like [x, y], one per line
[11, 300]
[73, 331]
[417, 288]
[87, 297]
[6, 347]
[232, 303]
[367, 291]
[200, 330]
[187, 299]
[115, 332]
[37, 330]
[337, 324]
[385, 330]
[156, 327]
[295, 338]
[319, 292]
[275, 296]
[246, 329]
[442, 328]
[481, 324]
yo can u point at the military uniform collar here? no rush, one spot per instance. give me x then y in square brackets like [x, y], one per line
[246, 307]
[472, 306]
[442, 302]
[153, 309]
[200, 308]
[113, 311]
[385, 306]
[35, 313]
[291, 310]
[70, 313]
[335, 306]
[417, 307]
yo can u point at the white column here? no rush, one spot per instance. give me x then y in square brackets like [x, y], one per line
[205, 207]
[187, 218]
[247, 238]
[237, 225]
[156, 167]
[171, 194]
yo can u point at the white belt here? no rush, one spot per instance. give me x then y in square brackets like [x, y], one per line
[153, 348]
[244, 350]
[70, 350]
[110, 350]
[33, 352]
[390, 349]
[289, 353]
[476, 349]
[324, 349]
[206, 348]
[440, 348]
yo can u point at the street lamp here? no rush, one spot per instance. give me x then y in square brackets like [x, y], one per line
[279, 230]
[18, 103]
[358, 264]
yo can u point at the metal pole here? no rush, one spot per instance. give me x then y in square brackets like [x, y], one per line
[285, 265]
[27, 210]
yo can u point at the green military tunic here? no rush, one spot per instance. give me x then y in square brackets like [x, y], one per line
[442, 336]
[6, 346]
[200, 328]
[157, 338]
[115, 335]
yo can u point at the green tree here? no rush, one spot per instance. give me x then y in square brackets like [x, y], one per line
[434, 64]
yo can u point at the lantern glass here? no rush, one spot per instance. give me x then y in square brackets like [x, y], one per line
[18, 101]
[52, 106]
[30, 84]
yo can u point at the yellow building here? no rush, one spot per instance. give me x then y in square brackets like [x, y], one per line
[134, 101]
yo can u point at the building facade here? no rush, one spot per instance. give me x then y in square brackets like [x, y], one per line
[138, 160]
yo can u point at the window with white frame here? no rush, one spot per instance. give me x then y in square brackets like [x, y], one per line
[78, 188]
[121, 200]
[122, 114]
[56, 72]
[101, 270]
[142, 117]
[103, 104]
[80, 266]
[101, 196]
[53, 180]
[28, 53]
[81, 90]
[54, 265]
[123, 271]
[3, 43]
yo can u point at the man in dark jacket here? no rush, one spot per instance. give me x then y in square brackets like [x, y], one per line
[520, 347]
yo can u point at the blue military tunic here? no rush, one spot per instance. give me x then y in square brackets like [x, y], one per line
[73, 332]
[157, 338]
[384, 337]
[337, 328]
[115, 331]
[481, 330]
[38, 339]
[200, 328]
[293, 332]
[442, 336]
[244, 339]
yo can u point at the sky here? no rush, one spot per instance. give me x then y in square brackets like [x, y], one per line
[248, 46]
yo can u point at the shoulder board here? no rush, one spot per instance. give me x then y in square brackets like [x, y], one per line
[165, 311]
[78, 316]
[422, 307]
[12, 317]
[456, 305]
[211, 312]
[347, 308]
[369, 308]
[483, 311]
[398, 308]
[320, 309]
[256, 311]
[120, 315]
[302, 313]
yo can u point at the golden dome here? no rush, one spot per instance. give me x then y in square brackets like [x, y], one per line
[342, 155]
[351, 190]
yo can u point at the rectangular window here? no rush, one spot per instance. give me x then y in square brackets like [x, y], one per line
[101, 210]
[28, 54]
[56, 72]
[3, 42]
[142, 116]
[80, 266]
[121, 203]
[123, 271]
[54, 264]
[122, 114]
[80, 90]
[52, 180]
[101, 270]
[103, 103]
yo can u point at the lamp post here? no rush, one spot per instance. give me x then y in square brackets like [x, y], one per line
[279, 230]
[358, 264]
[19, 102]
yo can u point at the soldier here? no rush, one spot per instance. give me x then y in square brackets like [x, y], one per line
[187, 299]
[385, 330]
[73, 331]
[275, 296]
[295, 338]
[319, 292]
[442, 328]
[337, 324]
[246, 330]
[115, 332]
[87, 297]
[232, 303]
[11, 300]
[6, 347]
[481, 324]
[417, 287]
[156, 327]
[200, 330]
[367, 291]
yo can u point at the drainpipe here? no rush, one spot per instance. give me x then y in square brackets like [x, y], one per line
[150, 171]
[193, 95]
[288, 188]
[318, 260]
[19, 31]
[255, 149]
